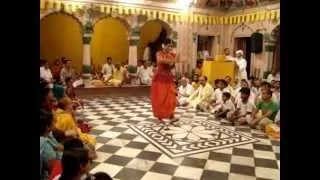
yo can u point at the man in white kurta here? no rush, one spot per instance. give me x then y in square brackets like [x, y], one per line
[242, 65]
[45, 74]
[228, 56]
[184, 92]
[202, 96]
[145, 74]
[107, 70]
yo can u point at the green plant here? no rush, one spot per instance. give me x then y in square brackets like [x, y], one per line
[86, 69]
[132, 69]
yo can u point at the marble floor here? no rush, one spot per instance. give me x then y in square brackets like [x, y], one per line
[132, 145]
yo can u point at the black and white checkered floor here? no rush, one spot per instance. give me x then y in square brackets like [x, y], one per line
[132, 145]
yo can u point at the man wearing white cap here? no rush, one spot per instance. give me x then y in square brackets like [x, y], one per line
[242, 65]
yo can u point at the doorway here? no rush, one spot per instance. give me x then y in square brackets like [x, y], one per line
[244, 44]
[205, 47]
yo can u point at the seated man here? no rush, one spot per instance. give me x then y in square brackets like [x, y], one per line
[67, 72]
[265, 86]
[185, 90]
[145, 74]
[117, 77]
[265, 112]
[200, 99]
[107, 70]
[45, 73]
[237, 93]
[227, 106]
[229, 87]
[244, 108]
[217, 96]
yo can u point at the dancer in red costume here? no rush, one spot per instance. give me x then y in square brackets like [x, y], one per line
[163, 90]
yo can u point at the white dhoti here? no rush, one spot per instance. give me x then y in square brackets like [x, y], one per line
[183, 100]
[107, 77]
[146, 80]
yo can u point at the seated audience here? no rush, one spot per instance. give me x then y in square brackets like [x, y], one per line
[229, 87]
[66, 122]
[215, 84]
[45, 73]
[265, 112]
[50, 149]
[75, 165]
[145, 74]
[56, 69]
[276, 91]
[265, 86]
[195, 82]
[70, 92]
[237, 95]
[107, 70]
[272, 76]
[244, 108]
[69, 145]
[255, 87]
[48, 103]
[216, 98]
[184, 92]
[58, 92]
[201, 97]
[117, 76]
[227, 106]
[67, 72]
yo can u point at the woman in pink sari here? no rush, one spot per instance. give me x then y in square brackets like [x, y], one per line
[163, 90]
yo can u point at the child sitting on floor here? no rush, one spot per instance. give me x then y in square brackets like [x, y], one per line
[217, 95]
[244, 108]
[265, 112]
[226, 108]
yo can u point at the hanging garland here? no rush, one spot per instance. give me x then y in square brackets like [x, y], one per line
[176, 17]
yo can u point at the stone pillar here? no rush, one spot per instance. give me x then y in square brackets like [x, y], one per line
[86, 53]
[134, 37]
[86, 39]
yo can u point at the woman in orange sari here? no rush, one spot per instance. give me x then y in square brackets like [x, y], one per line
[163, 90]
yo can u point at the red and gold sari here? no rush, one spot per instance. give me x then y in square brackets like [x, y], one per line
[163, 90]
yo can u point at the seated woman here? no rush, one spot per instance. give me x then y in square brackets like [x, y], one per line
[66, 122]
[117, 76]
[70, 92]
[50, 149]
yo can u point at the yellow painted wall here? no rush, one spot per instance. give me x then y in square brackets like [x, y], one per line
[110, 38]
[61, 36]
[149, 32]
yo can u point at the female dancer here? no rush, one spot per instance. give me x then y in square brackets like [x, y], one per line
[163, 90]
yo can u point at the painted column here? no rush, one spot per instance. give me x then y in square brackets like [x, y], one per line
[86, 39]
[134, 38]
[86, 53]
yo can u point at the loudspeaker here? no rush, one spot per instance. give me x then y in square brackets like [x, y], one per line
[256, 43]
